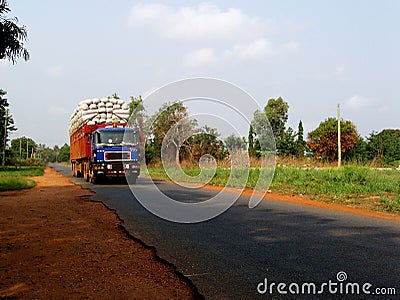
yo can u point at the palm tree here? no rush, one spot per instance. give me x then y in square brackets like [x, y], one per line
[12, 36]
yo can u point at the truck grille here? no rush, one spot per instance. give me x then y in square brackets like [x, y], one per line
[117, 155]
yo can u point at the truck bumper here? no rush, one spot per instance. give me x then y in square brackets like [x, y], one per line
[116, 169]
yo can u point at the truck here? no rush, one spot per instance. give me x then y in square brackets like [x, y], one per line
[104, 149]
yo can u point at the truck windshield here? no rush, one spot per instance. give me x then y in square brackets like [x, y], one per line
[117, 137]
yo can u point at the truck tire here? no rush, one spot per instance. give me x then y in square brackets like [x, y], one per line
[93, 178]
[86, 172]
[73, 169]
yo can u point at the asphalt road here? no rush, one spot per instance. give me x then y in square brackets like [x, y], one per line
[228, 256]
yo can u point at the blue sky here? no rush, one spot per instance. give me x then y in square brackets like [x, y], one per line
[315, 54]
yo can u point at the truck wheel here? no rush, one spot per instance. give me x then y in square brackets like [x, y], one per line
[93, 179]
[73, 169]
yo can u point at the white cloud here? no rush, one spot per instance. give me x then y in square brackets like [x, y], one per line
[359, 102]
[204, 22]
[201, 58]
[55, 71]
[257, 49]
[231, 34]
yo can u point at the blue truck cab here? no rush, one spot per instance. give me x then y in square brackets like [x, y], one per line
[115, 153]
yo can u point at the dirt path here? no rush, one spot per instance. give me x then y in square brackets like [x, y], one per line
[54, 244]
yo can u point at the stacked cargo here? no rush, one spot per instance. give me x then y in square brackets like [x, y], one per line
[99, 111]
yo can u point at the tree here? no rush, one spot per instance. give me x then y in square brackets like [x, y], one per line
[359, 153]
[12, 36]
[45, 153]
[300, 144]
[287, 144]
[323, 140]
[137, 116]
[233, 142]
[171, 123]
[251, 147]
[262, 131]
[276, 111]
[385, 146]
[63, 155]
[206, 141]
[23, 147]
[7, 122]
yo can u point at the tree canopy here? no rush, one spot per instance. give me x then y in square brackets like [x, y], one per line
[170, 123]
[385, 146]
[323, 140]
[276, 111]
[12, 36]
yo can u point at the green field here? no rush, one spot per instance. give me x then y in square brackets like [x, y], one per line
[350, 185]
[17, 179]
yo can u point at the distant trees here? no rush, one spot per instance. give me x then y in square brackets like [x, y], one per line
[6, 122]
[23, 148]
[205, 141]
[63, 155]
[182, 139]
[25, 151]
[12, 36]
[233, 142]
[385, 146]
[323, 141]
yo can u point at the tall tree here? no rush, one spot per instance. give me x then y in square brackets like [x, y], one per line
[7, 122]
[287, 144]
[251, 145]
[137, 113]
[171, 123]
[276, 111]
[264, 137]
[323, 140]
[12, 36]
[300, 144]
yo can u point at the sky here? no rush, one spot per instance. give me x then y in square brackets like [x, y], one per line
[313, 54]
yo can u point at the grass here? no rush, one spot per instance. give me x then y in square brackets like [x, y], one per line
[15, 183]
[16, 179]
[356, 186]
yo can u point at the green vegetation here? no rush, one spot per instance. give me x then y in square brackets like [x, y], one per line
[16, 178]
[351, 185]
[15, 183]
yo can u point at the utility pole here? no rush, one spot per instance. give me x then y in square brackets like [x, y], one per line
[20, 148]
[27, 149]
[5, 139]
[339, 143]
